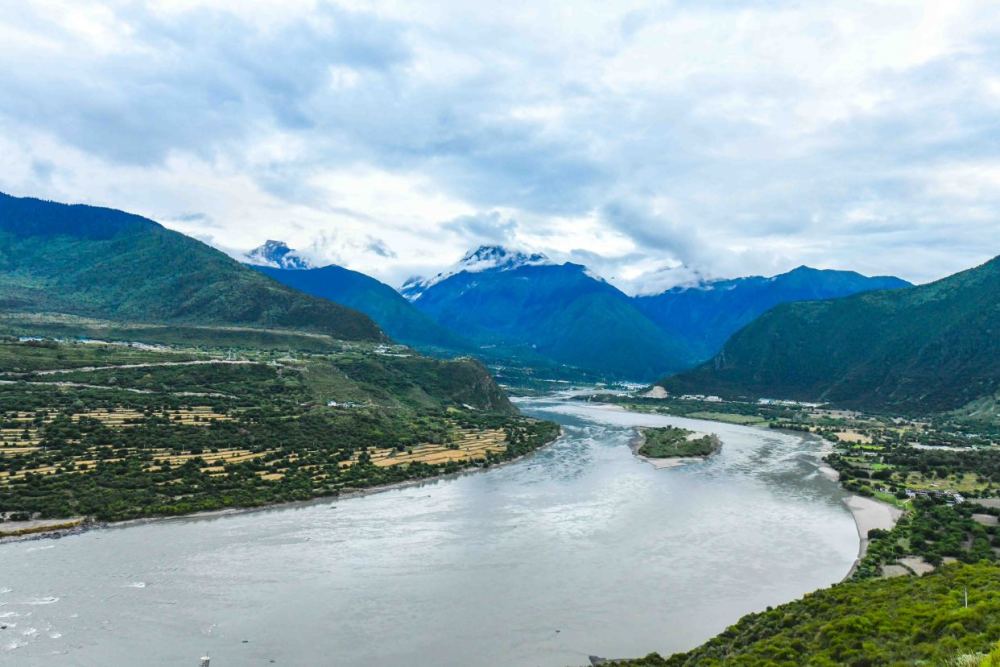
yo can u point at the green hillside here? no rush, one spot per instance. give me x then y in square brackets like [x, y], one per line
[934, 347]
[106, 264]
[397, 316]
[901, 621]
[112, 431]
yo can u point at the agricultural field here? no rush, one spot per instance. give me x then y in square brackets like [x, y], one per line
[112, 432]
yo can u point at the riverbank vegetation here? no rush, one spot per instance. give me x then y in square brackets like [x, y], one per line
[899, 608]
[117, 432]
[673, 442]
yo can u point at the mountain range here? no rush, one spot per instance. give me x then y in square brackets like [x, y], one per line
[933, 347]
[525, 306]
[705, 315]
[102, 263]
[394, 314]
[807, 334]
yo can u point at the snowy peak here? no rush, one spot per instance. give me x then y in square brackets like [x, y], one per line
[483, 258]
[487, 257]
[278, 255]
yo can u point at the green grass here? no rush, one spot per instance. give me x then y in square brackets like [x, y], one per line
[728, 418]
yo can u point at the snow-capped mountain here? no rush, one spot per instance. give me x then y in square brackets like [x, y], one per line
[483, 258]
[523, 306]
[277, 255]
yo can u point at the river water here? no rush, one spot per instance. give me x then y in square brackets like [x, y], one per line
[576, 550]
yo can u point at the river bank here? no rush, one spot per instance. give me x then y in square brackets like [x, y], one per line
[867, 513]
[25, 531]
[499, 559]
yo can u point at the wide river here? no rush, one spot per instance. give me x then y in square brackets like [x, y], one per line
[576, 550]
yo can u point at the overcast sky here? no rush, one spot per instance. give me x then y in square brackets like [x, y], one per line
[654, 142]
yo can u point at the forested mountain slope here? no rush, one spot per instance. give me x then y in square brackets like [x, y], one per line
[107, 264]
[704, 316]
[397, 316]
[557, 312]
[932, 347]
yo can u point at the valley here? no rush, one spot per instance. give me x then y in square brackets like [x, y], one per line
[275, 395]
[577, 549]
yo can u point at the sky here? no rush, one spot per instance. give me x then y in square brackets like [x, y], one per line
[658, 143]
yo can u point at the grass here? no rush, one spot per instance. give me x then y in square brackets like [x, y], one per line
[729, 418]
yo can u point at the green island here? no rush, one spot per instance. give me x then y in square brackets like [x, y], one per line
[672, 442]
[107, 432]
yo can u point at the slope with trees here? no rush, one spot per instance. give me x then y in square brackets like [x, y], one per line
[933, 347]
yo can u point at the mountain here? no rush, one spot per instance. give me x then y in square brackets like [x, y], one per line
[932, 347]
[278, 255]
[102, 263]
[707, 314]
[483, 258]
[397, 317]
[527, 307]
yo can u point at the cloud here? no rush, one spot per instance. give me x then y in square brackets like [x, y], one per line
[659, 140]
[483, 228]
[379, 247]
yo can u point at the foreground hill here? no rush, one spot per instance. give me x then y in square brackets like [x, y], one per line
[934, 347]
[704, 316]
[115, 431]
[397, 316]
[527, 307]
[101, 263]
[902, 621]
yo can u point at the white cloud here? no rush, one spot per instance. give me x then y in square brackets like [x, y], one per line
[657, 141]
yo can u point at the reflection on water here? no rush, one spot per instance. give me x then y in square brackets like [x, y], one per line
[579, 549]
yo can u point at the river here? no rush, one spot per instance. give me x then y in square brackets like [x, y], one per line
[578, 549]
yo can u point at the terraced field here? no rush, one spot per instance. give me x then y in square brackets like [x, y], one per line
[110, 433]
[469, 445]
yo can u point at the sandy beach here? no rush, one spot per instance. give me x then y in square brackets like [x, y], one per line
[869, 514]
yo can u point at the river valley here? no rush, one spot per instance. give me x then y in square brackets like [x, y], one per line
[579, 549]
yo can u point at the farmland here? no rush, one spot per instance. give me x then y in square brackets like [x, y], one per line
[114, 432]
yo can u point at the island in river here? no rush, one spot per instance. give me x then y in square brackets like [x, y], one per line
[670, 446]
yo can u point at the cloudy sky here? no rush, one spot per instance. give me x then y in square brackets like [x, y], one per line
[654, 142]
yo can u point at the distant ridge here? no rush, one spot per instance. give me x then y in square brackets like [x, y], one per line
[933, 347]
[103, 263]
[526, 308]
[399, 318]
[706, 314]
